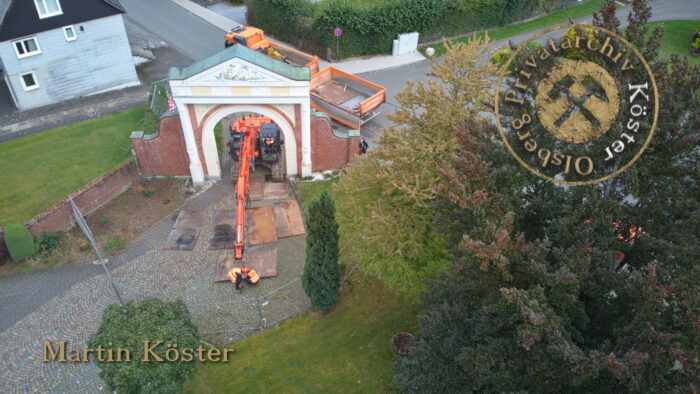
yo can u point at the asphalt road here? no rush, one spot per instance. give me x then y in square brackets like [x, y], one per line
[176, 26]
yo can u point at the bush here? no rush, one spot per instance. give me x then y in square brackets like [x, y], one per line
[322, 275]
[573, 52]
[370, 30]
[127, 327]
[47, 242]
[19, 242]
[501, 57]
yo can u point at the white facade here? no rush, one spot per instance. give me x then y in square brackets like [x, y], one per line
[71, 61]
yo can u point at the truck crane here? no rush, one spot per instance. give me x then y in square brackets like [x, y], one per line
[251, 138]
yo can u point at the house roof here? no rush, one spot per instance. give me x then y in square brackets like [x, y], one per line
[19, 18]
[247, 54]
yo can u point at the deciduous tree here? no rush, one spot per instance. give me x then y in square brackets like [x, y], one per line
[388, 193]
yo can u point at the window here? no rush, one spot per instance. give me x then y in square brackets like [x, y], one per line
[29, 81]
[47, 8]
[27, 47]
[69, 33]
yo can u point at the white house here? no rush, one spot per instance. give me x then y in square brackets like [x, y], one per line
[55, 50]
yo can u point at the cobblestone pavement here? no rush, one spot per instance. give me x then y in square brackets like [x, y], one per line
[221, 313]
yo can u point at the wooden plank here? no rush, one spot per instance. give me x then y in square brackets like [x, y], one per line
[224, 232]
[224, 264]
[257, 184]
[264, 262]
[185, 231]
[276, 190]
[281, 221]
[288, 218]
[261, 229]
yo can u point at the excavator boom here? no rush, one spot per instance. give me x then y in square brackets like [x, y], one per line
[246, 133]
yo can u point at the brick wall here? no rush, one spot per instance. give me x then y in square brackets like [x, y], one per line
[331, 151]
[89, 198]
[162, 154]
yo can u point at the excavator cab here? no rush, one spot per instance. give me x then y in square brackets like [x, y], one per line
[269, 143]
[247, 36]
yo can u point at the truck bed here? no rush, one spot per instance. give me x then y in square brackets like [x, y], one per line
[297, 58]
[344, 97]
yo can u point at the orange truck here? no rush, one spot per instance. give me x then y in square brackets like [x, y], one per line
[344, 97]
[254, 38]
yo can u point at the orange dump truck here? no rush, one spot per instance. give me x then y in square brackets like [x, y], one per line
[348, 99]
[254, 38]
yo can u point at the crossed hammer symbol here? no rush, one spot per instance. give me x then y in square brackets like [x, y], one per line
[575, 103]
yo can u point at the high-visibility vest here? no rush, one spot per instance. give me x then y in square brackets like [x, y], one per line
[253, 276]
[232, 274]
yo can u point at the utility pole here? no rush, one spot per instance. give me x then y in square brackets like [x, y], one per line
[84, 226]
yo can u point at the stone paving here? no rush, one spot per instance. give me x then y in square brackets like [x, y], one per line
[221, 313]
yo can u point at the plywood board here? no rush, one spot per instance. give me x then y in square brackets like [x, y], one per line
[261, 225]
[288, 219]
[224, 230]
[256, 185]
[185, 230]
[276, 190]
[264, 262]
[223, 265]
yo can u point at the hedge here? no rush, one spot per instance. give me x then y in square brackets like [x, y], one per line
[371, 30]
[19, 242]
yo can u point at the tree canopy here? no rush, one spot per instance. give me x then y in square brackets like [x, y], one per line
[537, 299]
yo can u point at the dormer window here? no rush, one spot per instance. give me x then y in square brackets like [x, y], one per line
[47, 8]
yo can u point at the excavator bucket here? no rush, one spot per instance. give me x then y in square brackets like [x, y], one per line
[224, 264]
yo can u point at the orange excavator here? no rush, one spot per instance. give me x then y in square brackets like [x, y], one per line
[252, 138]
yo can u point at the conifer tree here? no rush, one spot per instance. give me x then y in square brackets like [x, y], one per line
[321, 277]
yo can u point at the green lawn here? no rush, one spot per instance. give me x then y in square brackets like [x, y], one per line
[676, 38]
[348, 350]
[581, 10]
[39, 170]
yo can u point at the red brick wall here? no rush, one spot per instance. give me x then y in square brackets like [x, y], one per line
[164, 155]
[329, 152]
[89, 198]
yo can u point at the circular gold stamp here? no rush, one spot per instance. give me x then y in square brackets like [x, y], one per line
[576, 104]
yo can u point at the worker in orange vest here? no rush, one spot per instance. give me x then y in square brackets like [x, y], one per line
[238, 275]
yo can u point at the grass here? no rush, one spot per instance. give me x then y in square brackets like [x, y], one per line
[309, 191]
[581, 10]
[676, 38]
[39, 170]
[346, 350]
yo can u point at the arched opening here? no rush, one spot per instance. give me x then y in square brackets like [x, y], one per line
[209, 147]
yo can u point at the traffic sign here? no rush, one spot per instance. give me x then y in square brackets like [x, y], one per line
[337, 31]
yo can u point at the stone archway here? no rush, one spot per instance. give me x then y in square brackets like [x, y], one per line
[215, 115]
